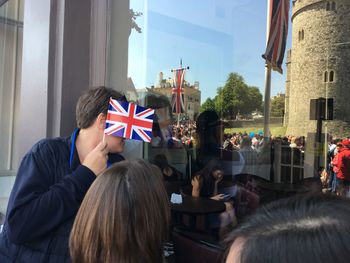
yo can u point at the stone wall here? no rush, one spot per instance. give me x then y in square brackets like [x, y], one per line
[325, 46]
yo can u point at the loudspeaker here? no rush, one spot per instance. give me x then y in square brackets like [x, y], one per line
[313, 109]
[318, 109]
[330, 109]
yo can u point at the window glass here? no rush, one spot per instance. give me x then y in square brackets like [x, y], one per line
[11, 31]
[199, 65]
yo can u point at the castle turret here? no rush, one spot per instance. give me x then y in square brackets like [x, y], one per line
[319, 64]
[159, 79]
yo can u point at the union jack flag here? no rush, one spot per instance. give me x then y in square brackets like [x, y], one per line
[129, 121]
[177, 100]
[276, 44]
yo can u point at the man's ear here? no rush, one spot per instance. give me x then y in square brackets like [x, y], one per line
[101, 121]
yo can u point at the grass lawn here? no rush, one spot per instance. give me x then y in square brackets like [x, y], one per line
[275, 131]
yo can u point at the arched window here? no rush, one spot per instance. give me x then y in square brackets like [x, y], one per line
[331, 76]
[328, 6]
[333, 6]
[325, 76]
[302, 34]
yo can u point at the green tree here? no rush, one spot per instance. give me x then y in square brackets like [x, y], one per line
[277, 106]
[254, 99]
[209, 104]
[236, 96]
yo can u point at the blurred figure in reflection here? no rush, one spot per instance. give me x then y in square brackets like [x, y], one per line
[227, 145]
[250, 156]
[334, 168]
[343, 165]
[169, 173]
[123, 217]
[177, 143]
[235, 142]
[205, 184]
[209, 139]
[293, 141]
[162, 123]
[186, 139]
[300, 229]
[156, 139]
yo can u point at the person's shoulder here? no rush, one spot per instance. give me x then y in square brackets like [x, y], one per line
[49, 145]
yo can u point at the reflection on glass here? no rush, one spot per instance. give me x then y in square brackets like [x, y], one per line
[11, 32]
[221, 42]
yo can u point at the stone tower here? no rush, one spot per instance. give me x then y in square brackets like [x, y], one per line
[318, 65]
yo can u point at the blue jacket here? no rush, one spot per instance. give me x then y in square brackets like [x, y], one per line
[48, 190]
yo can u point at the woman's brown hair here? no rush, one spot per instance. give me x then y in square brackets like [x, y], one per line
[124, 216]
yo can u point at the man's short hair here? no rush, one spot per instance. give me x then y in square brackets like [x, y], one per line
[93, 102]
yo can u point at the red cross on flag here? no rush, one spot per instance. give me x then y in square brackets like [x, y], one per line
[177, 101]
[129, 120]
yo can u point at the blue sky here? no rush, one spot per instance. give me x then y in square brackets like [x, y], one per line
[213, 38]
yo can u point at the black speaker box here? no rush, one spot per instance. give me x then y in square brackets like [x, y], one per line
[318, 109]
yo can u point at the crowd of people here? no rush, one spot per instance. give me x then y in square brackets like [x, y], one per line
[77, 199]
[338, 168]
[253, 149]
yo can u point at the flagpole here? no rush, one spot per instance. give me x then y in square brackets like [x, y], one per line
[267, 81]
[178, 115]
[267, 101]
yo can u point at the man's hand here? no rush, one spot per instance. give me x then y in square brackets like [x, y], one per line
[96, 160]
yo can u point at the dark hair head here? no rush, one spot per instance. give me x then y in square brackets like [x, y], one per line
[93, 102]
[156, 101]
[208, 119]
[124, 216]
[211, 166]
[162, 107]
[300, 229]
